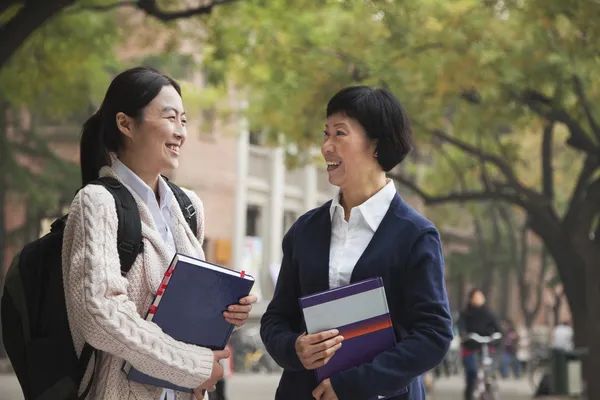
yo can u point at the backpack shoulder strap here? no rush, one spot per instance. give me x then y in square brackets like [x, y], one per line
[187, 208]
[129, 236]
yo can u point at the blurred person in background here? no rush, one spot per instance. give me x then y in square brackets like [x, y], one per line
[476, 318]
[366, 231]
[511, 346]
[562, 336]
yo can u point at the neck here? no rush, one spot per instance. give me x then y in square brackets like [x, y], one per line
[150, 178]
[353, 196]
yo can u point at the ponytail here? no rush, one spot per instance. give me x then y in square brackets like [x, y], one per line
[93, 151]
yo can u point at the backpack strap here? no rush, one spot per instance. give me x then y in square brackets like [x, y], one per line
[187, 208]
[84, 359]
[129, 235]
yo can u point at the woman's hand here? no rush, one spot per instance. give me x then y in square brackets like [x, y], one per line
[317, 349]
[215, 375]
[238, 314]
[324, 391]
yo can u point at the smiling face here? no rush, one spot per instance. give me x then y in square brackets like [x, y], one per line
[348, 152]
[157, 136]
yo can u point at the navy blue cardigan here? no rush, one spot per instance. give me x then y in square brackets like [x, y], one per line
[406, 252]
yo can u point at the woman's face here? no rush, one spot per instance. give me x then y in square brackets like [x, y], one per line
[348, 152]
[157, 137]
[478, 299]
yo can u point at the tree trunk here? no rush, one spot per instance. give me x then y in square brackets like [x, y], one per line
[3, 190]
[487, 265]
[505, 294]
[592, 361]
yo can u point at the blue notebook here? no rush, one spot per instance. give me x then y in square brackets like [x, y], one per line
[189, 307]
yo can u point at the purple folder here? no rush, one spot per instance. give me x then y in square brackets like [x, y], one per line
[360, 313]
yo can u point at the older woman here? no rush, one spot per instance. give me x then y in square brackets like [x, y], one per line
[365, 231]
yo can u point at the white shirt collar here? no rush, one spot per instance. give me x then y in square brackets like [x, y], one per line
[130, 178]
[374, 209]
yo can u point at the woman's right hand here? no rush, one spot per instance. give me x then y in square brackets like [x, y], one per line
[215, 376]
[317, 349]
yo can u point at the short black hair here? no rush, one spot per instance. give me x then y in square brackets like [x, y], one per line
[382, 117]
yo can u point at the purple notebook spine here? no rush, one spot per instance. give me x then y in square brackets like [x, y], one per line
[341, 292]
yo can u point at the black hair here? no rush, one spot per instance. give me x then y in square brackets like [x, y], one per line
[382, 117]
[130, 92]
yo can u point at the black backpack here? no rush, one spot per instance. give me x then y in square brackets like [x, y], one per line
[35, 327]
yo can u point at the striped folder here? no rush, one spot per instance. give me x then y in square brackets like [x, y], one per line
[360, 312]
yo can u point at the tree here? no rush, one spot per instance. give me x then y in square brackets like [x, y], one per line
[71, 61]
[499, 251]
[475, 76]
[20, 18]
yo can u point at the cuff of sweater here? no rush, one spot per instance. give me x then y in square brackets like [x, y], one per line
[199, 371]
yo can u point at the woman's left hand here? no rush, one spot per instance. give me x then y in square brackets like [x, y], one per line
[237, 314]
[324, 391]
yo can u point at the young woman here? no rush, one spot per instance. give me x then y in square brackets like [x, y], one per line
[365, 231]
[136, 134]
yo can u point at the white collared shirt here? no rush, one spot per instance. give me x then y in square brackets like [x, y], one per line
[160, 212]
[350, 239]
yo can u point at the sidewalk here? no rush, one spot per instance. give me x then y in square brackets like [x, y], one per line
[262, 387]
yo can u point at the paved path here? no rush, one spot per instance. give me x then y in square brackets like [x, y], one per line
[262, 387]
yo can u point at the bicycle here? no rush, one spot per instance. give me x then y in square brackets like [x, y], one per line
[486, 387]
[539, 365]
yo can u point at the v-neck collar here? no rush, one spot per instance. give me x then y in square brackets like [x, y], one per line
[363, 265]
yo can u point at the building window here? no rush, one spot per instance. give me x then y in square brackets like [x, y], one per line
[253, 220]
[256, 138]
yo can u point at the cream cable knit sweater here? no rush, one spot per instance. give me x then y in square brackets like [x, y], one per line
[108, 310]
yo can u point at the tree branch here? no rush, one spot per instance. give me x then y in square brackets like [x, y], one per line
[590, 165]
[6, 4]
[453, 164]
[28, 19]
[583, 101]
[547, 169]
[543, 106]
[104, 7]
[589, 208]
[484, 195]
[151, 8]
[501, 164]
[485, 259]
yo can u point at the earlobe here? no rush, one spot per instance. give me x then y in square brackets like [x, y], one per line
[124, 124]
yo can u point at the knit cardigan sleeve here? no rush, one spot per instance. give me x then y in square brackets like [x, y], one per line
[98, 304]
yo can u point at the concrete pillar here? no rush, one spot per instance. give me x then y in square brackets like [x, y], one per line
[276, 207]
[310, 187]
[274, 214]
[241, 195]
